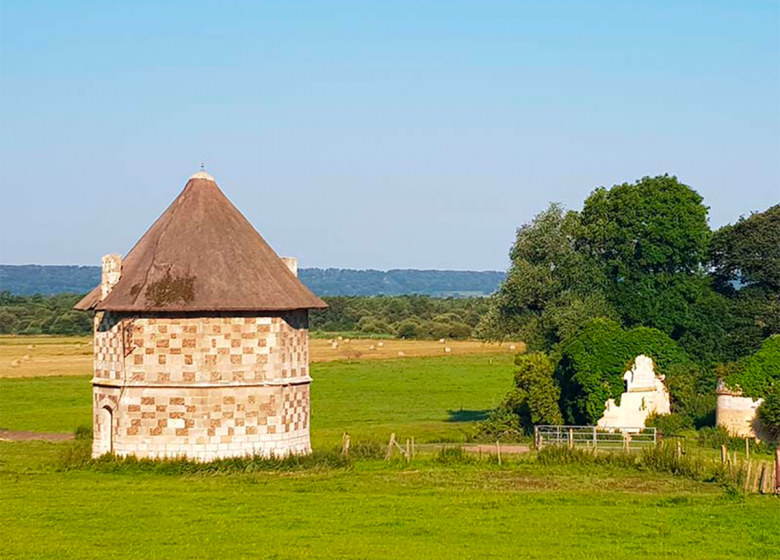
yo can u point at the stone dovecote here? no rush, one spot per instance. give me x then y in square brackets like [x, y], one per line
[201, 339]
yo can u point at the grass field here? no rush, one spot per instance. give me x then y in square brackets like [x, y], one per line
[370, 509]
[27, 356]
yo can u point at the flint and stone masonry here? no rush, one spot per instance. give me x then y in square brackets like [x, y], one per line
[198, 360]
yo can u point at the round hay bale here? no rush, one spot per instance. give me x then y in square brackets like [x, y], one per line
[334, 345]
[512, 347]
[441, 341]
[25, 357]
[380, 344]
[16, 363]
[341, 338]
[401, 354]
[372, 347]
[447, 349]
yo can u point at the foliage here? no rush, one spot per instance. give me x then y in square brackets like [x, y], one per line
[535, 396]
[655, 225]
[501, 424]
[407, 317]
[757, 374]
[550, 287]
[669, 424]
[42, 315]
[745, 260]
[716, 436]
[593, 362]
[769, 411]
[747, 253]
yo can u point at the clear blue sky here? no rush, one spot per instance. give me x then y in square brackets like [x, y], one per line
[403, 134]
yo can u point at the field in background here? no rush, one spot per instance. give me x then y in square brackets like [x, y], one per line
[40, 356]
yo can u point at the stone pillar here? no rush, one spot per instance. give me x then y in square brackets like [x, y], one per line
[112, 271]
[292, 264]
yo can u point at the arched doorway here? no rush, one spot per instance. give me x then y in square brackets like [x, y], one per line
[106, 419]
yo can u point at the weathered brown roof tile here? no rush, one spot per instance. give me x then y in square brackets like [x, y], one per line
[202, 254]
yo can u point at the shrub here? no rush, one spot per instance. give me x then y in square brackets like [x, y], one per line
[83, 432]
[501, 424]
[669, 424]
[769, 411]
[536, 394]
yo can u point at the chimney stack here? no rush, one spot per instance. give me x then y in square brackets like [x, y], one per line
[292, 264]
[112, 271]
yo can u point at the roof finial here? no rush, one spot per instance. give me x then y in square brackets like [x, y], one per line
[202, 174]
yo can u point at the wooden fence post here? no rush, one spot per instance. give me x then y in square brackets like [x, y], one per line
[747, 449]
[595, 439]
[777, 470]
[498, 451]
[747, 477]
[345, 445]
[723, 455]
[571, 438]
[408, 451]
[414, 451]
[390, 447]
[679, 450]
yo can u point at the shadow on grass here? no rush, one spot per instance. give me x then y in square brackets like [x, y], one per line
[467, 415]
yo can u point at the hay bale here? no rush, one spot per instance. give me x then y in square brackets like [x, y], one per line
[441, 341]
[447, 349]
[341, 338]
[347, 341]
[334, 345]
[401, 354]
[25, 357]
[372, 347]
[16, 363]
[380, 344]
[512, 347]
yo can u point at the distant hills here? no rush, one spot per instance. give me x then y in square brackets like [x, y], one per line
[51, 279]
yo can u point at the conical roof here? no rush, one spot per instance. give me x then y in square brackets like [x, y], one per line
[202, 254]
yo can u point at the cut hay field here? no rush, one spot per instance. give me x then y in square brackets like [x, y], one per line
[39, 356]
[431, 508]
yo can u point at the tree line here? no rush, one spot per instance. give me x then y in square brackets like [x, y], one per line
[401, 316]
[638, 270]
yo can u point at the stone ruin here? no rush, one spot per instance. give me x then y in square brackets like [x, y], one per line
[645, 394]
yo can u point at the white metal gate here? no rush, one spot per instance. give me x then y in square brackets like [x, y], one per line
[593, 437]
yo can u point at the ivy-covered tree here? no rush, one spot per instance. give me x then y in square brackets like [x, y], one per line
[592, 364]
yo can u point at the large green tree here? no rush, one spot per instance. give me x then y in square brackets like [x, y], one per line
[745, 260]
[550, 288]
[651, 240]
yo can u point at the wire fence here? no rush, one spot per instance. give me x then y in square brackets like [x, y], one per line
[593, 437]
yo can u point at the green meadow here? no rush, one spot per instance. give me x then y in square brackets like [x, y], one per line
[368, 508]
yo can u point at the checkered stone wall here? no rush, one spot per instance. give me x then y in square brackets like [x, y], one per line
[204, 387]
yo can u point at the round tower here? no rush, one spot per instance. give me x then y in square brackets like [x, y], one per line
[201, 339]
[737, 413]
